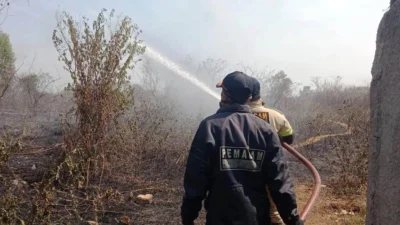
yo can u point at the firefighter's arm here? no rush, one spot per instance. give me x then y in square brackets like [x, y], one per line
[280, 183]
[196, 177]
[288, 139]
[286, 132]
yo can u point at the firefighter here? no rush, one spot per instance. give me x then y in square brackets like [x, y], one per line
[272, 116]
[281, 125]
[233, 156]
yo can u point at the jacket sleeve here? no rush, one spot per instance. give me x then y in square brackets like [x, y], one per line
[288, 139]
[279, 181]
[198, 169]
[285, 127]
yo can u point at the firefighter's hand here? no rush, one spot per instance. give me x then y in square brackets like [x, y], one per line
[295, 222]
[300, 222]
[188, 223]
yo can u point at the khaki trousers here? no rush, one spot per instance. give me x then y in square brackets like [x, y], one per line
[273, 212]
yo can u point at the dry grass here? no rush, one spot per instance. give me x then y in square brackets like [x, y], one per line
[148, 156]
[58, 171]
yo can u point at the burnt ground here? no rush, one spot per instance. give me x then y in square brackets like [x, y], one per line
[43, 150]
[167, 192]
[319, 155]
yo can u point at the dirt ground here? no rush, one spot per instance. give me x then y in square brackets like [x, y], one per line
[329, 209]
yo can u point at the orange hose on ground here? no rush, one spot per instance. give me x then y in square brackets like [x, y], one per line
[317, 180]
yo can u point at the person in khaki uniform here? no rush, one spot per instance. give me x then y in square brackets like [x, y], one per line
[281, 125]
[272, 116]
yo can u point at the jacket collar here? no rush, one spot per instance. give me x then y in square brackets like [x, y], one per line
[256, 104]
[235, 108]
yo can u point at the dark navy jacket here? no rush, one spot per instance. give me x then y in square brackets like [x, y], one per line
[233, 156]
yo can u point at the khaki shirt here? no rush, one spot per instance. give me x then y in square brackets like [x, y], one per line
[273, 117]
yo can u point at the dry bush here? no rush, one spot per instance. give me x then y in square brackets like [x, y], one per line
[112, 146]
[123, 139]
[9, 201]
[98, 60]
[28, 109]
[326, 115]
[21, 122]
[156, 134]
[351, 151]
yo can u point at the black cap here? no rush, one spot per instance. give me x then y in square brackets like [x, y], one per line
[255, 94]
[238, 85]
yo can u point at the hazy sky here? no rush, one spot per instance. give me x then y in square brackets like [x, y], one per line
[303, 37]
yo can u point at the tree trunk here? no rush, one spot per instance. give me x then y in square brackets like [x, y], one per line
[383, 204]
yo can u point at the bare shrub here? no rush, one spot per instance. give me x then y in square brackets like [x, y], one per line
[332, 125]
[156, 133]
[351, 151]
[212, 70]
[9, 201]
[112, 140]
[122, 139]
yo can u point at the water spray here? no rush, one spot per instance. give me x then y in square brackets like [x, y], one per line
[172, 66]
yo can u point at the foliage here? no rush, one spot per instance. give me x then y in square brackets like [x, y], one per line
[275, 86]
[119, 143]
[7, 57]
[98, 60]
[30, 83]
[33, 86]
[7, 60]
[4, 4]
[279, 86]
[9, 202]
[213, 69]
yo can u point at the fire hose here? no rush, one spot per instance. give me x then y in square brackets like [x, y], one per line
[317, 180]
